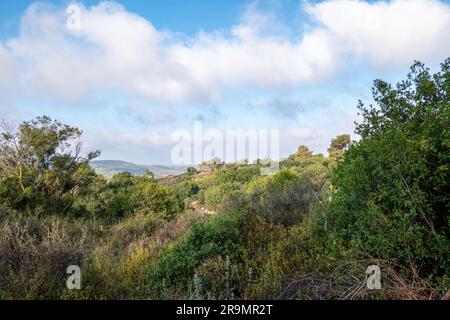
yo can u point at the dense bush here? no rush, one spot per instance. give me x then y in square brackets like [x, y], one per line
[217, 278]
[215, 195]
[150, 197]
[225, 183]
[187, 189]
[390, 195]
[236, 173]
[175, 268]
[285, 198]
[117, 267]
[35, 254]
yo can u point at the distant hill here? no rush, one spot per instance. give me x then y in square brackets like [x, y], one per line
[111, 167]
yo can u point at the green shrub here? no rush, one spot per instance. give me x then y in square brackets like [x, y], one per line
[220, 278]
[187, 189]
[215, 195]
[390, 195]
[176, 267]
[285, 198]
[150, 197]
[234, 173]
[35, 254]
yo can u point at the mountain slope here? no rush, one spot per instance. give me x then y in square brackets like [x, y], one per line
[111, 167]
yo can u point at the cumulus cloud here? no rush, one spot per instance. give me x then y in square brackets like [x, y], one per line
[7, 68]
[301, 133]
[117, 50]
[137, 147]
[141, 140]
[386, 32]
[294, 135]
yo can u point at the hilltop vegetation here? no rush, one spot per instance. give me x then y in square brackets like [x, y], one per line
[226, 232]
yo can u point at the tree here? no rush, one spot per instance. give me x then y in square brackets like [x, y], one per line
[113, 199]
[191, 171]
[302, 153]
[284, 198]
[41, 169]
[149, 174]
[149, 197]
[339, 145]
[391, 195]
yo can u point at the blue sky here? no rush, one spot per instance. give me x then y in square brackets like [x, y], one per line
[132, 72]
[168, 14]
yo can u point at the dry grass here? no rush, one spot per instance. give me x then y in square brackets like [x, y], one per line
[35, 254]
[349, 282]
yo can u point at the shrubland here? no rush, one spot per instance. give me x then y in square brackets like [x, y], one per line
[309, 231]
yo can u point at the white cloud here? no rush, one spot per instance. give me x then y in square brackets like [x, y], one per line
[121, 51]
[7, 68]
[130, 140]
[301, 133]
[293, 135]
[150, 147]
[388, 33]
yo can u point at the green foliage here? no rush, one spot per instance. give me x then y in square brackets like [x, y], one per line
[125, 195]
[176, 267]
[35, 253]
[391, 188]
[220, 278]
[187, 189]
[41, 170]
[191, 171]
[215, 195]
[339, 145]
[303, 159]
[306, 232]
[234, 173]
[225, 183]
[116, 196]
[302, 153]
[285, 197]
[277, 256]
[150, 197]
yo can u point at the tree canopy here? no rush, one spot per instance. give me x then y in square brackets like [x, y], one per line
[41, 166]
[391, 194]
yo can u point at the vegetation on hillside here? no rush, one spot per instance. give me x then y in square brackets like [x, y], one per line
[224, 231]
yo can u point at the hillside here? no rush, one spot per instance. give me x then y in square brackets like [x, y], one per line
[369, 220]
[111, 167]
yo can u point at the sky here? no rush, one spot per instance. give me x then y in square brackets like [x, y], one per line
[131, 73]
